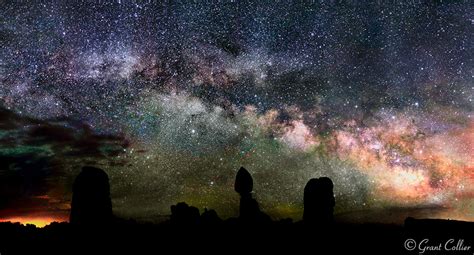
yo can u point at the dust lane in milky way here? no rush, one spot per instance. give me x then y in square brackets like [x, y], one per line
[172, 98]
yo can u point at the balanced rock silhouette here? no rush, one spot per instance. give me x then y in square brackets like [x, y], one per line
[249, 209]
[319, 201]
[91, 203]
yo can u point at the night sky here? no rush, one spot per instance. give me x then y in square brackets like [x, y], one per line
[170, 98]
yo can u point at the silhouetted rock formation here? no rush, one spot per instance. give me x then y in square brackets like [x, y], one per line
[249, 209]
[210, 218]
[319, 201]
[91, 204]
[243, 182]
[183, 214]
[189, 232]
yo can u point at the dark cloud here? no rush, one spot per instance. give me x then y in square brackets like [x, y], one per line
[35, 154]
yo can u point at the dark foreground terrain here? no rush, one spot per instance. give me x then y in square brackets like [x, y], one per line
[232, 236]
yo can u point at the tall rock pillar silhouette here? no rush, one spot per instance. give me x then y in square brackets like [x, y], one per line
[91, 203]
[319, 201]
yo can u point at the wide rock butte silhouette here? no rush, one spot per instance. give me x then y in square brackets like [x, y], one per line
[91, 203]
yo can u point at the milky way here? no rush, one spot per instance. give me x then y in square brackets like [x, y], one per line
[171, 98]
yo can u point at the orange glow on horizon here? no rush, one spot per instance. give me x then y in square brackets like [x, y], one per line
[39, 221]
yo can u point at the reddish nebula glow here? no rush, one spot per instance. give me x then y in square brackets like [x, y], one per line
[298, 136]
[408, 165]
